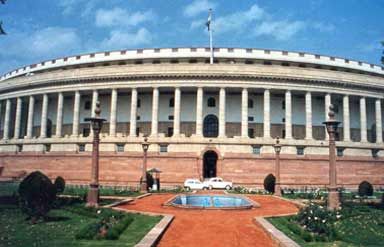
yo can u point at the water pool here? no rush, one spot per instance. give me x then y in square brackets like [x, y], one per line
[212, 202]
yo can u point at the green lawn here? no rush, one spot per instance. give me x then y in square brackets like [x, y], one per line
[361, 225]
[60, 230]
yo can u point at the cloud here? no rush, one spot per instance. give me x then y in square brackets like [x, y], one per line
[121, 17]
[49, 41]
[197, 7]
[280, 30]
[120, 39]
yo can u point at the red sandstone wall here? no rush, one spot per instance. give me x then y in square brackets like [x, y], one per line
[242, 169]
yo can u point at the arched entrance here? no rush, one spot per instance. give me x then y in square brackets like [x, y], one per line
[211, 126]
[209, 164]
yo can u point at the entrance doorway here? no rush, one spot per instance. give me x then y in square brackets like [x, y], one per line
[209, 165]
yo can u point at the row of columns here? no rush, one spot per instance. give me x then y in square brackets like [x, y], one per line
[177, 110]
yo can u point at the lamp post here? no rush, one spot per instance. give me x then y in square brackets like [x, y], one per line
[277, 148]
[333, 195]
[96, 124]
[143, 184]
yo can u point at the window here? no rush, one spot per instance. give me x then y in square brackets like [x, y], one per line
[283, 133]
[120, 147]
[251, 133]
[86, 132]
[137, 117]
[283, 104]
[375, 153]
[170, 132]
[138, 103]
[137, 131]
[256, 149]
[300, 150]
[47, 147]
[340, 152]
[170, 117]
[163, 148]
[211, 102]
[251, 118]
[87, 105]
[19, 148]
[81, 147]
[172, 102]
[250, 103]
[211, 126]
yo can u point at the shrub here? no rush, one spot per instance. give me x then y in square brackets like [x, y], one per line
[365, 189]
[37, 195]
[319, 220]
[60, 184]
[269, 183]
[150, 180]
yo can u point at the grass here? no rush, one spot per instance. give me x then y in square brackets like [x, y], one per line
[361, 225]
[61, 228]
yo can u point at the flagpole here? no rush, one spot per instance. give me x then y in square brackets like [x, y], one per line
[210, 36]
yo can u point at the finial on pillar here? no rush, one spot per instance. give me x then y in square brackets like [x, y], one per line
[331, 113]
[97, 109]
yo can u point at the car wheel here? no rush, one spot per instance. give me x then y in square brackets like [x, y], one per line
[205, 188]
[227, 187]
[187, 188]
[210, 187]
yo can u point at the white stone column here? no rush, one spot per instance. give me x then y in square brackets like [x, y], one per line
[76, 115]
[132, 122]
[267, 116]
[363, 120]
[7, 119]
[199, 112]
[44, 117]
[176, 114]
[244, 113]
[222, 113]
[346, 119]
[155, 112]
[327, 103]
[95, 98]
[31, 109]
[379, 127]
[288, 115]
[59, 116]
[308, 116]
[113, 114]
[19, 103]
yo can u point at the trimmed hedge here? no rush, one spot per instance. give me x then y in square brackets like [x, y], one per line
[269, 183]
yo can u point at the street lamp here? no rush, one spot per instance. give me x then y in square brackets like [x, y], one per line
[277, 148]
[143, 184]
[331, 125]
[96, 124]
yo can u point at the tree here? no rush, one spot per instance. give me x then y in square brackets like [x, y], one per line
[2, 32]
[382, 57]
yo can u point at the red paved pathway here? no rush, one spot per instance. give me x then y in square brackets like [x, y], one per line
[214, 227]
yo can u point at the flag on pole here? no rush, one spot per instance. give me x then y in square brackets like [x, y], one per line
[208, 23]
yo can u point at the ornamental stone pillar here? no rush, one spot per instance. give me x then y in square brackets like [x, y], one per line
[113, 114]
[288, 115]
[76, 115]
[363, 120]
[176, 114]
[346, 119]
[308, 116]
[19, 103]
[95, 98]
[244, 113]
[222, 113]
[267, 118]
[327, 101]
[44, 117]
[199, 112]
[132, 122]
[379, 129]
[7, 119]
[155, 112]
[31, 109]
[59, 116]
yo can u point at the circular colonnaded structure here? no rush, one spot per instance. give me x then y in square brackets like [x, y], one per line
[203, 120]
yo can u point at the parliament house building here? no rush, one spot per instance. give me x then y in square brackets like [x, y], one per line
[201, 119]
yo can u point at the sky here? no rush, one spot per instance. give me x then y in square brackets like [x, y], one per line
[40, 30]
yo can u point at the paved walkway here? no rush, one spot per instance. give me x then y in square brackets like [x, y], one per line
[214, 227]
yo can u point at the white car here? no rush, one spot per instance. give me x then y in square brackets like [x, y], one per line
[194, 184]
[217, 183]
